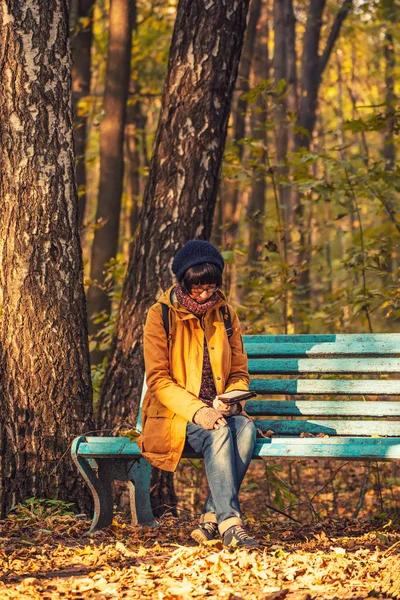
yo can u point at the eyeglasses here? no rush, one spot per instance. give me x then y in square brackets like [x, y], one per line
[197, 291]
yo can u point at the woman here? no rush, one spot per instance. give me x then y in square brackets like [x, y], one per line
[185, 374]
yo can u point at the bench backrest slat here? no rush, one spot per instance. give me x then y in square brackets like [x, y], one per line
[326, 386]
[319, 338]
[325, 408]
[323, 365]
[329, 349]
[330, 427]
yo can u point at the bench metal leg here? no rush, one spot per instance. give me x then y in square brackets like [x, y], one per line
[139, 493]
[100, 484]
[99, 474]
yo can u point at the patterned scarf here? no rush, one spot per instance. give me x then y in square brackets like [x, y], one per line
[207, 390]
[195, 307]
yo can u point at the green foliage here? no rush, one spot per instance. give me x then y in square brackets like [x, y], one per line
[351, 219]
[282, 494]
[41, 508]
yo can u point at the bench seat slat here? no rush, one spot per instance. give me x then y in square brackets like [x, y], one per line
[321, 338]
[338, 447]
[326, 386]
[331, 427]
[328, 408]
[324, 349]
[323, 365]
[108, 447]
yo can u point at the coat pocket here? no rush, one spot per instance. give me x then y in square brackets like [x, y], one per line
[157, 430]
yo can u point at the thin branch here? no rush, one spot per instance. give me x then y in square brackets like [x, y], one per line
[283, 513]
[334, 33]
[330, 481]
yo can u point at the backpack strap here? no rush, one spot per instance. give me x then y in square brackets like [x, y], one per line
[165, 317]
[226, 315]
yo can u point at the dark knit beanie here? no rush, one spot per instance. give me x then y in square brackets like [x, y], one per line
[196, 252]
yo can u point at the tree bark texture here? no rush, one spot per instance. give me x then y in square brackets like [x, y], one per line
[162, 493]
[45, 387]
[81, 44]
[105, 242]
[180, 196]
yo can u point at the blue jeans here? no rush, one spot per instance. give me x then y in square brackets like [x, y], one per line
[227, 453]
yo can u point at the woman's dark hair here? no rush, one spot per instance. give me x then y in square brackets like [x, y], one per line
[203, 274]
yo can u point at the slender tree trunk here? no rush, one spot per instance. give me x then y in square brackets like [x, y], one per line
[285, 76]
[256, 205]
[230, 198]
[291, 61]
[105, 243]
[81, 44]
[389, 148]
[45, 388]
[280, 64]
[313, 65]
[134, 161]
[180, 196]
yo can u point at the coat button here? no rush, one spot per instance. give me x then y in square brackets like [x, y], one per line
[219, 378]
[212, 347]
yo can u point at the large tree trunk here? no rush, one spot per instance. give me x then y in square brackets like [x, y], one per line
[45, 388]
[81, 44]
[180, 196]
[105, 243]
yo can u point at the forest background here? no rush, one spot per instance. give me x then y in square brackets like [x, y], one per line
[307, 208]
[306, 214]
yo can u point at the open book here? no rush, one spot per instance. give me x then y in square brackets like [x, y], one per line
[236, 396]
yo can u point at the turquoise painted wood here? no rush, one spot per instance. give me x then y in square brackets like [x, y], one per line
[325, 408]
[326, 386]
[355, 338]
[108, 446]
[339, 447]
[325, 349]
[100, 469]
[323, 365]
[330, 427]
[353, 426]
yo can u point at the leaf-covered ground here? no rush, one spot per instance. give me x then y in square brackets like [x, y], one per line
[44, 553]
[48, 556]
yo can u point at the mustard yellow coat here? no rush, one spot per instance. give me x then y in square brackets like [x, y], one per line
[174, 374]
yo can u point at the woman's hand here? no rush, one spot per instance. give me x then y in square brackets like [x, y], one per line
[209, 418]
[226, 409]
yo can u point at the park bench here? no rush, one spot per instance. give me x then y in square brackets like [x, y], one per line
[314, 396]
